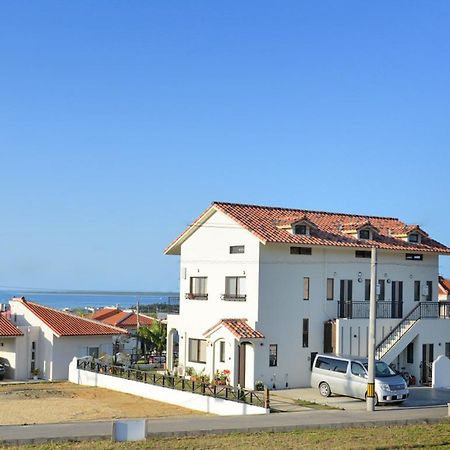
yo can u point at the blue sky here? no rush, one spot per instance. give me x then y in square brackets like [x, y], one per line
[121, 121]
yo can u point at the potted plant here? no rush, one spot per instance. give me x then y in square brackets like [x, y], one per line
[259, 386]
[35, 373]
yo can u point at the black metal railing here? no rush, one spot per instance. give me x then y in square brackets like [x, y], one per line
[194, 296]
[360, 310]
[233, 297]
[226, 392]
[423, 310]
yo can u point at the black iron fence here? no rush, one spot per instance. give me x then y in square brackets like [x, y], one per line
[360, 310]
[226, 392]
[392, 310]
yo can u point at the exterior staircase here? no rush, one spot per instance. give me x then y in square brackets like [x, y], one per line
[399, 331]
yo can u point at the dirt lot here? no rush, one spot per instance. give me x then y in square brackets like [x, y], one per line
[64, 402]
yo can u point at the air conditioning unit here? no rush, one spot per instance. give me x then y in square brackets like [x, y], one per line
[425, 291]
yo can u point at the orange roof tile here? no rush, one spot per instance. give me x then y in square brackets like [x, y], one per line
[105, 312]
[444, 284]
[127, 319]
[238, 327]
[8, 329]
[262, 222]
[66, 324]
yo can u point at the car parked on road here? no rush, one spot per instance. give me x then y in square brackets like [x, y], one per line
[347, 375]
[2, 372]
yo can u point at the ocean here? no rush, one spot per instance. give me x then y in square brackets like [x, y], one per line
[92, 299]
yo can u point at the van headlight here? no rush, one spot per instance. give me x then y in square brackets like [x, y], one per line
[385, 387]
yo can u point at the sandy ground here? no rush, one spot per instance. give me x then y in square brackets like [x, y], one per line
[65, 402]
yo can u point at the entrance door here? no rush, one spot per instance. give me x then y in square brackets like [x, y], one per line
[346, 295]
[427, 361]
[397, 300]
[241, 370]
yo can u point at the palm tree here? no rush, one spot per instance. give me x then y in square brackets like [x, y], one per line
[154, 337]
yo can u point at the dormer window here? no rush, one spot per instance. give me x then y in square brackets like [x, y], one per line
[364, 234]
[414, 238]
[300, 229]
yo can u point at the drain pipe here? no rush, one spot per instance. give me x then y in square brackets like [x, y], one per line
[372, 325]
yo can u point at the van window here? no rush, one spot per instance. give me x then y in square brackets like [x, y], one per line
[358, 370]
[336, 365]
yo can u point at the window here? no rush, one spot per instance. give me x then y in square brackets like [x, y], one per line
[33, 356]
[300, 229]
[362, 254]
[382, 290]
[198, 288]
[94, 352]
[237, 249]
[273, 355]
[364, 234]
[222, 351]
[358, 370]
[410, 353]
[413, 237]
[330, 288]
[367, 290]
[306, 288]
[414, 257]
[305, 336]
[197, 350]
[447, 349]
[429, 296]
[234, 289]
[335, 365]
[417, 291]
[301, 251]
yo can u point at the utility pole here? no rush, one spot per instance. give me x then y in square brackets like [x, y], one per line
[137, 329]
[372, 325]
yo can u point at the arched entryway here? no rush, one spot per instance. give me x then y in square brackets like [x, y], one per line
[172, 349]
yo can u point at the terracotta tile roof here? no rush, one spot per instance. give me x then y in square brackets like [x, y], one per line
[444, 284]
[105, 312]
[66, 324]
[8, 329]
[238, 327]
[262, 221]
[127, 319]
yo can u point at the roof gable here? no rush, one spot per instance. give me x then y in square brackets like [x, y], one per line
[66, 324]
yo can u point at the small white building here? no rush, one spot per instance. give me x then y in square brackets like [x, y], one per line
[47, 339]
[263, 289]
[444, 289]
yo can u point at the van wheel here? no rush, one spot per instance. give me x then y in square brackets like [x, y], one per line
[324, 389]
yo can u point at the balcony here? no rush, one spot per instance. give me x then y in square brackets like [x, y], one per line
[392, 310]
[360, 310]
[196, 296]
[233, 297]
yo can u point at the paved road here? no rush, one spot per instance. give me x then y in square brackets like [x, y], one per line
[419, 397]
[217, 425]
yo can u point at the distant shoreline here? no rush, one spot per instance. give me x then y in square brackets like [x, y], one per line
[94, 292]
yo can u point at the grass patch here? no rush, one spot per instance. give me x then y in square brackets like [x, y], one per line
[314, 405]
[383, 438]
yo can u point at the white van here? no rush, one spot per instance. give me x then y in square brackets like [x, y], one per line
[347, 375]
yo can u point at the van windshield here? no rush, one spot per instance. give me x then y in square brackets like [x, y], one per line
[381, 369]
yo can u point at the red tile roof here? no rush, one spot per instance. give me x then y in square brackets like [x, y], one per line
[66, 324]
[105, 312]
[444, 284]
[262, 221]
[238, 327]
[127, 319]
[7, 329]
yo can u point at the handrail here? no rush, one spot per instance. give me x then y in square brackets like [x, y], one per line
[407, 317]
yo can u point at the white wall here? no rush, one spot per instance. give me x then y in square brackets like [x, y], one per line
[8, 355]
[207, 253]
[185, 399]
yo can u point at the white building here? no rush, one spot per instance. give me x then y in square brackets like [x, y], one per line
[263, 289]
[39, 337]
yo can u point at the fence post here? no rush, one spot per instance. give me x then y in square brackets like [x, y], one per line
[266, 398]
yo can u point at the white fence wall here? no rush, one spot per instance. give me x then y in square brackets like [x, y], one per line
[189, 400]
